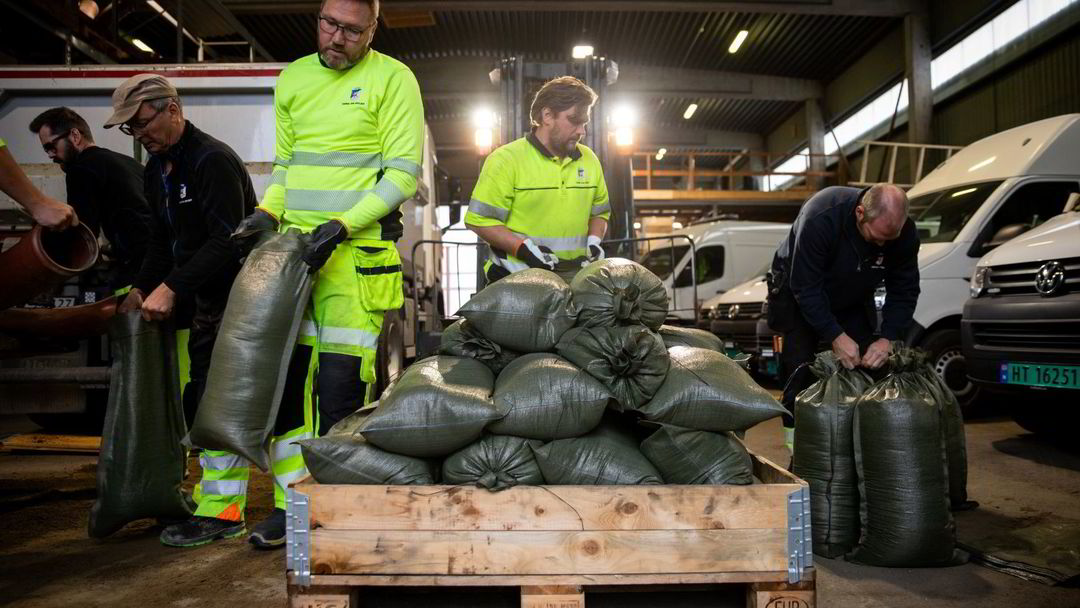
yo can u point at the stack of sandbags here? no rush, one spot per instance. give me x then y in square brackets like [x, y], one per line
[544, 382]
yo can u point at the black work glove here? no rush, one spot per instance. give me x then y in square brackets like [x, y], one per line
[320, 243]
[247, 232]
[536, 256]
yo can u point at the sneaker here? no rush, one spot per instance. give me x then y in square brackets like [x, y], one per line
[270, 533]
[199, 530]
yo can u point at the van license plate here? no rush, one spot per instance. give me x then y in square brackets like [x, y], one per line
[1031, 374]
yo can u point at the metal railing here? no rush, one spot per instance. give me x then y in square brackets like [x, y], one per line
[891, 150]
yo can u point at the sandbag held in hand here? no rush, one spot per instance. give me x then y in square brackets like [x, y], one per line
[546, 397]
[630, 360]
[349, 459]
[685, 456]
[141, 464]
[251, 353]
[617, 291]
[707, 391]
[606, 456]
[437, 406]
[495, 462]
[527, 311]
[461, 339]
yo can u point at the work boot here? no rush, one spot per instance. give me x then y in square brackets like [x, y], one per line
[270, 533]
[199, 530]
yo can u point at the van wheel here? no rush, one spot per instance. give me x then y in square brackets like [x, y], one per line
[390, 355]
[947, 359]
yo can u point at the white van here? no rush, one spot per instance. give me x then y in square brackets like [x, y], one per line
[989, 192]
[728, 252]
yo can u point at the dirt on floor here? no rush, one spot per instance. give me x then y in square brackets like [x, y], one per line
[47, 560]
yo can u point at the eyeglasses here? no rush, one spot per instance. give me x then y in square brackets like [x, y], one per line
[351, 34]
[130, 128]
[50, 146]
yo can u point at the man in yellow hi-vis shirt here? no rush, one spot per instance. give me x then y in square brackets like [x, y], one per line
[542, 199]
[350, 138]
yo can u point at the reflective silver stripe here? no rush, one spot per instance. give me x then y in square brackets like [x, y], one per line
[357, 160]
[490, 211]
[507, 263]
[281, 162]
[280, 450]
[308, 329]
[560, 243]
[285, 479]
[348, 335]
[390, 194]
[221, 463]
[322, 200]
[403, 164]
[601, 208]
[277, 178]
[224, 488]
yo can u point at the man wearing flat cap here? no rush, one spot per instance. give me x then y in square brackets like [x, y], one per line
[198, 191]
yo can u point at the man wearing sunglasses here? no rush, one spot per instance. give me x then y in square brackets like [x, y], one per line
[350, 137]
[198, 190]
[104, 187]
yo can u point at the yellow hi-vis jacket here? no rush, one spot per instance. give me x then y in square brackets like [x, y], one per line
[524, 187]
[349, 145]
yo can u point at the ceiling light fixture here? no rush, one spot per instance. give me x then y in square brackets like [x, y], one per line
[142, 46]
[739, 39]
[690, 109]
[582, 51]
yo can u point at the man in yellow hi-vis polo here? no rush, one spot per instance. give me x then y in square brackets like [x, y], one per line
[542, 199]
[350, 138]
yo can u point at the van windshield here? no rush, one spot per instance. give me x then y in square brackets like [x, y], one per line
[662, 261]
[940, 216]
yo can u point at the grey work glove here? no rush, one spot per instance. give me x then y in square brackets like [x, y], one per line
[247, 232]
[536, 256]
[320, 243]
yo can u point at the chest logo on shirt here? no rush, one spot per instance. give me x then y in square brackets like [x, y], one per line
[184, 198]
[879, 262]
[355, 97]
[581, 178]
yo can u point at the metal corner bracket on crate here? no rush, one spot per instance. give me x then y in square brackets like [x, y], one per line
[298, 537]
[799, 545]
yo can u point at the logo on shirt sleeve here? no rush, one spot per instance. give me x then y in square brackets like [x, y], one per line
[355, 97]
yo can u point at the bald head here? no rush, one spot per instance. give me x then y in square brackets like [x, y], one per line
[881, 213]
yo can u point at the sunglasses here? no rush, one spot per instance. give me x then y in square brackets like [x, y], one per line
[50, 146]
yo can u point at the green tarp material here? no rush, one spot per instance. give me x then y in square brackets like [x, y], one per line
[349, 459]
[1047, 552]
[825, 453]
[527, 311]
[689, 336]
[546, 397]
[252, 350]
[461, 339]
[707, 391]
[437, 406]
[900, 455]
[631, 360]
[685, 456]
[606, 456]
[495, 462]
[141, 463]
[617, 291]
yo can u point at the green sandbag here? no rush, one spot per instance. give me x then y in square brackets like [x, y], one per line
[252, 350]
[437, 406]
[349, 459]
[707, 391]
[617, 291]
[685, 456]
[527, 311]
[689, 336]
[630, 360]
[606, 456]
[495, 462]
[825, 453]
[350, 425]
[141, 462]
[461, 339]
[900, 456]
[955, 441]
[546, 397]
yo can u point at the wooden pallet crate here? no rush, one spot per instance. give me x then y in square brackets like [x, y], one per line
[553, 542]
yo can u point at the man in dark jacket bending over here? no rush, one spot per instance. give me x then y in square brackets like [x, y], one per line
[843, 245]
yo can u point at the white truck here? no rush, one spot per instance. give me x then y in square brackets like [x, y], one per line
[232, 102]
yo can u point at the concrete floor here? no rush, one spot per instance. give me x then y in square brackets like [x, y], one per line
[47, 560]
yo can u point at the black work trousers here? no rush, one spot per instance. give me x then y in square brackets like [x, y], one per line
[802, 343]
